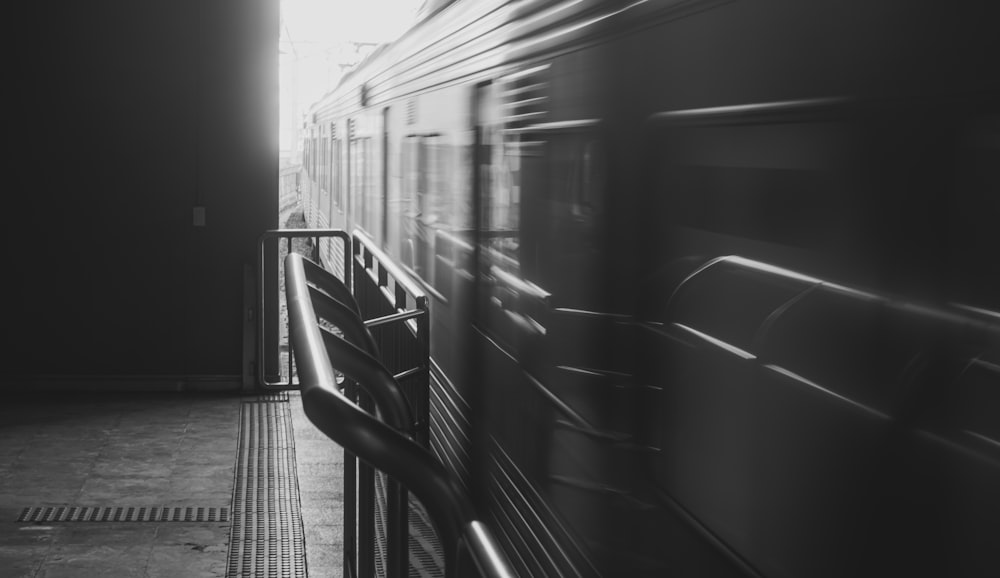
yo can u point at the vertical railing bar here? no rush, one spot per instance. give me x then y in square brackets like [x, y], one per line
[348, 253]
[261, 323]
[366, 509]
[423, 328]
[350, 496]
[397, 538]
[288, 251]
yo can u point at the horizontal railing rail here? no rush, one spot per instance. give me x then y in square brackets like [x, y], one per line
[465, 538]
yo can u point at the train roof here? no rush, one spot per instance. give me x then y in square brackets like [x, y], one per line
[442, 30]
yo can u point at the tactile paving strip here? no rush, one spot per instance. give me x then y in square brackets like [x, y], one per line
[267, 537]
[272, 397]
[123, 514]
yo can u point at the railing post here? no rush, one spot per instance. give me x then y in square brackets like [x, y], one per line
[397, 532]
[366, 507]
[351, 551]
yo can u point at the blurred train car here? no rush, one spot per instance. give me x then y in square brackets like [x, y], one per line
[715, 284]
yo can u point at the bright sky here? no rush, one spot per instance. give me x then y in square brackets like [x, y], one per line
[333, 21]
[316, 39]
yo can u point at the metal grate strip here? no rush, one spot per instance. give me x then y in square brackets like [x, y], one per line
[267, 537]
[122, 514]
[381, 525]
[275, 397]
[426, 554]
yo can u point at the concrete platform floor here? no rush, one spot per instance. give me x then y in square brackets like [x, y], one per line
[144, 450]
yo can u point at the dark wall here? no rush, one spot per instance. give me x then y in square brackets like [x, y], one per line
[127, 116]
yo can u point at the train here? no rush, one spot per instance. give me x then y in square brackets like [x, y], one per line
[714, 283]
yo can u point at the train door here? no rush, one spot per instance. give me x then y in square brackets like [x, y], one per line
[510, 312]
[486, 370]
[555, 395]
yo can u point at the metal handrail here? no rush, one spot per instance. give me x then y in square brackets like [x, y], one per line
[337, 290]
[366, 371]
[348, 321]
[382, 446]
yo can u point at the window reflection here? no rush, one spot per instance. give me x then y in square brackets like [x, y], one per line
[362, 187]
[435, 208]
[543, 220]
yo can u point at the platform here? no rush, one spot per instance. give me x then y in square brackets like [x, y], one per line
[166, 484]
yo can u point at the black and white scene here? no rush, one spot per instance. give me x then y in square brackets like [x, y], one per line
[502, 288]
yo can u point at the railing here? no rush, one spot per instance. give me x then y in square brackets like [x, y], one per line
[396, 310]
[316, 301]
[270, 325]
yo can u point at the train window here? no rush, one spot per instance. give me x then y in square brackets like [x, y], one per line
[973, 235]
[404, 210]
[361, 183]
[577, 175]
[307, 156]
[777, 205]
[373, 190]
[499, 239]
[503, 203]
[327, 167]
[562, 181]
[435, 211]
[432, 181]
[314, 160]
[544, 210]
[318, 160]
[323, 162]
[335, 187]
[321, 199]
[393, 193]
[776, 192]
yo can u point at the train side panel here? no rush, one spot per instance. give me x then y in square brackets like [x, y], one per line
[713, 283]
